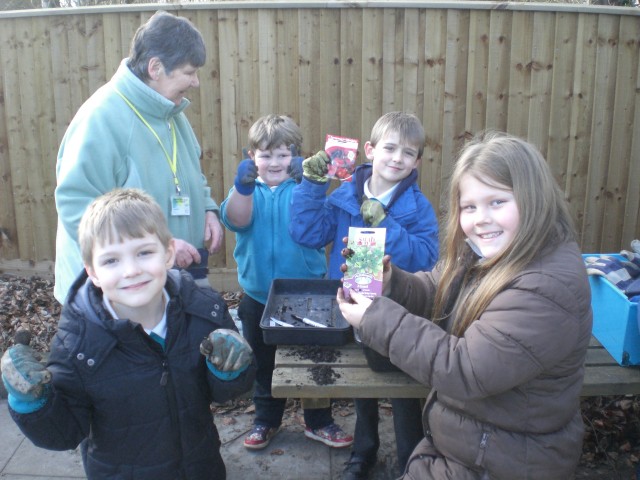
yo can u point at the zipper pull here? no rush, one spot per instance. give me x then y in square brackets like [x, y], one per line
[483, 445]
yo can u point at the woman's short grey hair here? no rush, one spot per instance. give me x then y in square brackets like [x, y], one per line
[174, 40]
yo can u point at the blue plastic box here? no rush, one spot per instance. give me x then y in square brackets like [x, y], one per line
[615, 319]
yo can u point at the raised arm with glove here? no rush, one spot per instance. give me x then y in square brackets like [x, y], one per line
[25, 378]
[316, 167]
[227, 352]
[245, 181]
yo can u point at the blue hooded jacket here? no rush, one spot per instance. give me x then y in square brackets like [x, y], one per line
[411, 223]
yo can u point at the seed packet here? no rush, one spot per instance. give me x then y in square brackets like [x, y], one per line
[343, 152]
[364, 264]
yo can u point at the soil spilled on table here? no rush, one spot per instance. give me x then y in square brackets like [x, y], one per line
[321, 374]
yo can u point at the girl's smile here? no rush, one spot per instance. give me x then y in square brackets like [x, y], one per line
[489, 215]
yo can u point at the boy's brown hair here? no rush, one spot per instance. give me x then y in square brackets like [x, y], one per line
[119, 214]
[273, 131]
[408, 126]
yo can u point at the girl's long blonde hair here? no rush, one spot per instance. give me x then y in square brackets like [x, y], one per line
[507, 162]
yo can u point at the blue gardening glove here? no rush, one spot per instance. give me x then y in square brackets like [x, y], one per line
[228, 353]
[245, 181]
[295, 167]
[315, 168]
[372, 212]
[25, 378]
[620, 271]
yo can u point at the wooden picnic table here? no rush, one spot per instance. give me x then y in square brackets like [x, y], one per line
[354, 379]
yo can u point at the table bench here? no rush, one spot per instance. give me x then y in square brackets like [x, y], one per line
[292, 378]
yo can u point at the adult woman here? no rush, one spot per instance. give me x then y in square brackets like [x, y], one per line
[511, 322]
[133, 132]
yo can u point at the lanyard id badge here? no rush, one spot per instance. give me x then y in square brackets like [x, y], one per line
[180, 206]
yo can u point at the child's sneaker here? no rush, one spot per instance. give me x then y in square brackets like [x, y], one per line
[331, 435]
[260, 437]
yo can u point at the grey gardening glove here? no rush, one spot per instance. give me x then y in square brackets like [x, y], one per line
[25, 378]
[372, 212]
[315, 168]
[227, 352]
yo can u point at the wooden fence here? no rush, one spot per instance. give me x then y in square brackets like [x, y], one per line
[566, 77]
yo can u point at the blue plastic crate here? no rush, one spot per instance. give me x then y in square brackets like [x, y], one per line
[615, 319]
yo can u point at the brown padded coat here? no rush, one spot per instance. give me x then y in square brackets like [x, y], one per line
[505, 397]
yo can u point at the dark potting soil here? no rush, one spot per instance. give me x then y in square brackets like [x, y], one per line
[323, 374]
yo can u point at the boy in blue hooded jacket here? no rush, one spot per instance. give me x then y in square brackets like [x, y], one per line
[257, 210]
[384, 194]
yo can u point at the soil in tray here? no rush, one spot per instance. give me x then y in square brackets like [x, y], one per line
[319, 309]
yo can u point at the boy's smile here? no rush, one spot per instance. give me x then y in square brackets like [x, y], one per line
[489, 216]
[131, 274]
[392, 161]
[273, 164]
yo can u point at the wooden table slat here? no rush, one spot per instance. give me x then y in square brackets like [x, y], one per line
[292, 377]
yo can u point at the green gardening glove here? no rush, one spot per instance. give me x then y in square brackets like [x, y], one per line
[315, 168]
[372, 212]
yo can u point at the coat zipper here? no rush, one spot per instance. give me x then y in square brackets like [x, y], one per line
[483, 448]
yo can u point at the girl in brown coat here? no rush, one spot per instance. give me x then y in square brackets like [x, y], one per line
[498, 330]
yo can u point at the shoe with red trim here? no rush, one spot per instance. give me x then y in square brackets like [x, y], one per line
[331, 435]
[260, 437]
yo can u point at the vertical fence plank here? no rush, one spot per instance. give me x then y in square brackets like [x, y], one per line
[389, 54]
[229, 61]
[455, 88]
[372, 72]
[114, 51]
[8, 140]
[520, 73]
[267, 61]
[44, 155]
[561, 96]
[287, 71]
[20, 106]
[328, 68]
[410, 76]
[542, 70]
[351, 72]
[435, 61]
[580, 128]
[598, 187]
[477, 89]
[309, 80]
[499, 70]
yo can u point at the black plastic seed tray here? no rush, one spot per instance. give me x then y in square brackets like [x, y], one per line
[313, 300]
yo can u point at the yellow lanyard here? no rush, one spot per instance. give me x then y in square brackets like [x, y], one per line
[173, 162]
